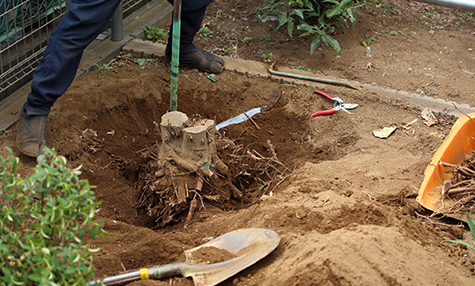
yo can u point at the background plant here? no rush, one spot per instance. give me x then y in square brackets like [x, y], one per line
[205, 33]
[316, 18]
[154, 34]
[227, 50]
[105, 68]
[43, 222]
[144, 63]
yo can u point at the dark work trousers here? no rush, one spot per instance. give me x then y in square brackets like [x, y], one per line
[193, 12]
[85, 20]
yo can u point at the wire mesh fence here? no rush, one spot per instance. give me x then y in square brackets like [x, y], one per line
[25, 28]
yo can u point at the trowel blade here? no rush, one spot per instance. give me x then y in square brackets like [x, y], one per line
[240, 118]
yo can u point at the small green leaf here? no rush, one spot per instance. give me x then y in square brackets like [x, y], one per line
[471, 226]
[35, 277]
[290, 28]
[321, 21]
[94, 232]
[299, 13]
[6, 272]
[329, 41]
[315, 42]
[461, 242]
[282, 19]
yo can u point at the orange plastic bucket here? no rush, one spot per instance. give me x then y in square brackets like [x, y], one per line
[460, 141]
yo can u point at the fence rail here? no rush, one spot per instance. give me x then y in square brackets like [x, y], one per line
[25, 28]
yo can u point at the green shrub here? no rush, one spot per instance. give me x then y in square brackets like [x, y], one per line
[317, 18]
[43, 222]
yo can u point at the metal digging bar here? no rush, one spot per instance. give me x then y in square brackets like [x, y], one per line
[175, 53]
[468, 5]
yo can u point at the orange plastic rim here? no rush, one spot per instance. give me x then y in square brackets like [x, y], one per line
[460, 141]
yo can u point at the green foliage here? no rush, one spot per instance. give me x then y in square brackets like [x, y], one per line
[205, 33]
[388, 8]
[315, 18]
[261, 186]
[43, 222]
[472, 230]
[223, 30]
[154, 34]
[144, 63]
[367, 41]
[430, 15]
[301, 67]
[246, 39]
[227, 50]
[265, 38]
[468, 15]
[105, 68]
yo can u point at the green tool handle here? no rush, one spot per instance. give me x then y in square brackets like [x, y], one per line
[157, 272]
[317, 79]
[175, 53]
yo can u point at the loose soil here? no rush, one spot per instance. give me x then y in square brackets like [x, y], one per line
[342, 200]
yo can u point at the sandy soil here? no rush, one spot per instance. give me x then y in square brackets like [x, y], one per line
[344, 206]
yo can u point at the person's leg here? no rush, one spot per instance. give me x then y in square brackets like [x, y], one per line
[193, 12]
[56, 70]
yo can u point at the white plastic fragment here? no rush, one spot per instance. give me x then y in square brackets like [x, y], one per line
[384, 133]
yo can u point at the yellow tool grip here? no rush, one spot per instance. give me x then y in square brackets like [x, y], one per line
[144, 274]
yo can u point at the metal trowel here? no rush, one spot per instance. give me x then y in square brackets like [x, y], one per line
[250, 113]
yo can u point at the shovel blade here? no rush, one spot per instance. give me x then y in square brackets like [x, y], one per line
[248, 245]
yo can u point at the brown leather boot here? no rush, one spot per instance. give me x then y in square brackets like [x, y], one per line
[31, 134]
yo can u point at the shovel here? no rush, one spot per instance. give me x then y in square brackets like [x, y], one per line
[246, 246]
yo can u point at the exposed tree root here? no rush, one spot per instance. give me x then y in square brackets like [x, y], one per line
[459, 191]
[237, 181]
[192, 170]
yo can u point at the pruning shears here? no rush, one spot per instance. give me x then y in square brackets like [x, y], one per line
[337, 105]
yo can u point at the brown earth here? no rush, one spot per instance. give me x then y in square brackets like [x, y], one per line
[344, 207]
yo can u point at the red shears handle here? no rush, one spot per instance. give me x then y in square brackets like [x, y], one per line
[324, 112]
[324, 94]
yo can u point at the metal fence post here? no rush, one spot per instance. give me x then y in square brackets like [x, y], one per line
[116, 24]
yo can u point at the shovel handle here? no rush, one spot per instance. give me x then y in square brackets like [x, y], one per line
[324, 112]
[169, 270]
[157, 272]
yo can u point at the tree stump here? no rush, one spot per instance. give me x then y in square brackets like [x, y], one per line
[192, 140]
